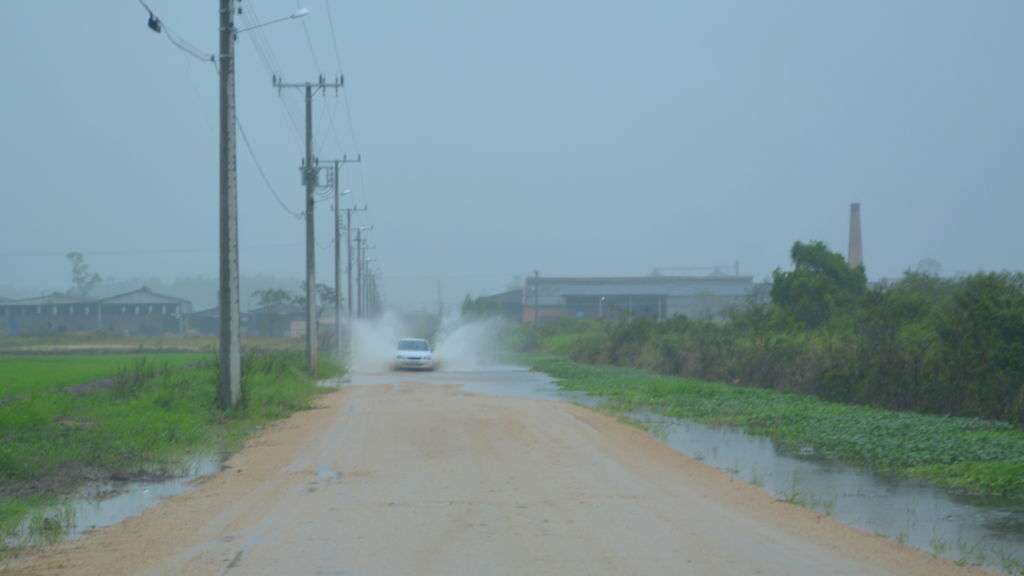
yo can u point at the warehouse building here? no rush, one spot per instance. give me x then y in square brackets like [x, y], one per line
[655, 297]
[141, 312]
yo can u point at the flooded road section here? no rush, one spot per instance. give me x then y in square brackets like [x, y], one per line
[469, 473]
[497, 470]
[970, 530]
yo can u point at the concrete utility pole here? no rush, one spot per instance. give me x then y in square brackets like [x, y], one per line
[229, 387]
[337, 260]
[345, 159]
[348, 242]
[359, 272]
[366, 274]
[310, 179]
[360, 268]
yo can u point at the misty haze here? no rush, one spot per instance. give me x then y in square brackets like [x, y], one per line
[330, 287]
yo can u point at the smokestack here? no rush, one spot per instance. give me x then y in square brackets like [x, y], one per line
[855, 254]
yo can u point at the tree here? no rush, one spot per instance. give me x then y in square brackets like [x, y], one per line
[324, 295]
[83, 280]
[271, 296]
[929, 267]
[820, 284]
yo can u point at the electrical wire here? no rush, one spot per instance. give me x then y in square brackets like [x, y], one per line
[267, 58]
[157, 25]
[341, 68]
[309, 41]
[265, 54]
[263, 175]
[345, 101]
[186, 47]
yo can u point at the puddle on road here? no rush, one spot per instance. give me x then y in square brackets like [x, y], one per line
[964, 529]
[104, 503]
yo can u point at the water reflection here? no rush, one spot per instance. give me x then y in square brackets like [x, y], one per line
[105, 503]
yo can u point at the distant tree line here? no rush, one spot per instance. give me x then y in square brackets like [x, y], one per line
[923, 342]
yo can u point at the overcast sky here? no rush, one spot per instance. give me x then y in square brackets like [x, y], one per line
[572, 137]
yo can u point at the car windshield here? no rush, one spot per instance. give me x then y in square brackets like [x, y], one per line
[418, 345]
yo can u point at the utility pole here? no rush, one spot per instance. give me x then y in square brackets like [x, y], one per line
[348, 243]
[337, 259]
[229, 386]
[345, 159]
[359, 272]
[360, 269]
[310, 178]
[364, 279]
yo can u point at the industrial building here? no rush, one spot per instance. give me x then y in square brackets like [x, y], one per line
[141, 311]
[656, 297]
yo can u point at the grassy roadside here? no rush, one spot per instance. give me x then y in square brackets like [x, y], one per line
[966, 454]
[142, 416]
[100, 343]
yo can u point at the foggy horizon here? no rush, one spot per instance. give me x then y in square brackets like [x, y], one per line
[661, 135]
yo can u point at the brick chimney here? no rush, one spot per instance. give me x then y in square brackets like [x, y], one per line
[855, 254]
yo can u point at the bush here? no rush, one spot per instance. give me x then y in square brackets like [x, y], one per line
[922, 343]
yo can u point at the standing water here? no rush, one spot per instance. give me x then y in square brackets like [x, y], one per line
[102, 504]
[970, 530]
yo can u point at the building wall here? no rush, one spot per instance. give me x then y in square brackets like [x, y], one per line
[25, 320]
[143, 319]
[703, 306]
[531, 314]
[47, 319]
[653, 297]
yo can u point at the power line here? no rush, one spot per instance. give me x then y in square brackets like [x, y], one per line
[265, 54]
[263, 175]
[341, 68]
[345, 101]
[309, 41]
[157, 25]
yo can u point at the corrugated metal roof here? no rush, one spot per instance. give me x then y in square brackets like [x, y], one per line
[508, 297]
[143, 296]
[49, 300]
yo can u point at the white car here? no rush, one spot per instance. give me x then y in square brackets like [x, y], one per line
[414, 354]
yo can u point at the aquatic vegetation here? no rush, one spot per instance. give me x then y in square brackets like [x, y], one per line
[967, 454]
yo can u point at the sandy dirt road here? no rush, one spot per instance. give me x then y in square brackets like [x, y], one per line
[406, 474]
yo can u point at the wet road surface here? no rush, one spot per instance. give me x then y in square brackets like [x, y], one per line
[431, 473]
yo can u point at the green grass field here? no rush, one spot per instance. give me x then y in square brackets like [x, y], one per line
[976, 456]
[37, 374]
[156, 410]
